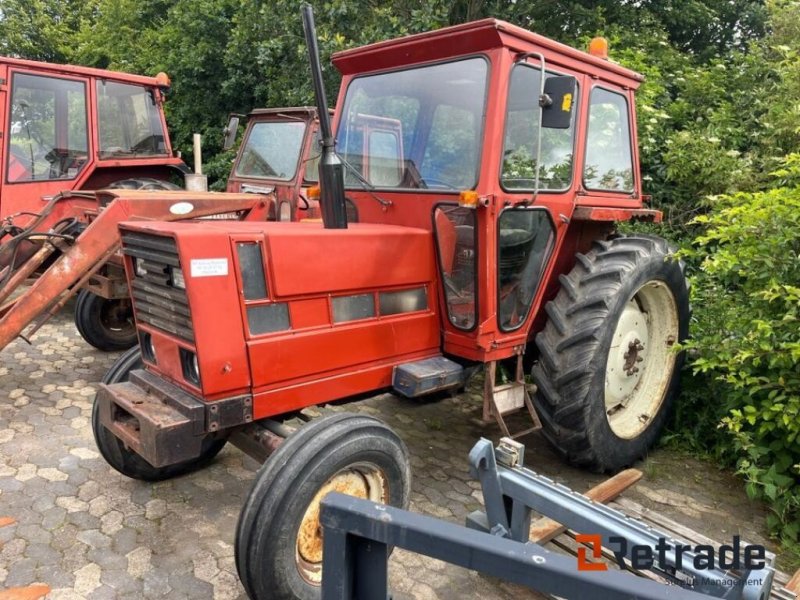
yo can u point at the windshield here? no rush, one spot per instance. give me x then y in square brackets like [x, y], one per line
[272, 150]
[417, 128]
[129, 121]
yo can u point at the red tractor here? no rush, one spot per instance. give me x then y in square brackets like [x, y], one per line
[488, 166]
[76, 128]
[65, 139]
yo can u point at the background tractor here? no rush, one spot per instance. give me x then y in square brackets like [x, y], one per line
[488, 166]
[75, 129]
[279, 154]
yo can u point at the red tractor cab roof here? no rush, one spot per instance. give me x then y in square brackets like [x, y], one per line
[292, 111]
[81, 71]
[474, 38]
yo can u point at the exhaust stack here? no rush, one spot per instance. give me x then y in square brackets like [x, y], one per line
[331, 169]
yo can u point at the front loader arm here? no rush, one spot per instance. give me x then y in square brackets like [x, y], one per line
[89, 251]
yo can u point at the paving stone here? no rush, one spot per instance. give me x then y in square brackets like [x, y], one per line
[91, 533]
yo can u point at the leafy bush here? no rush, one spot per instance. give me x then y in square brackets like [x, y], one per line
[747, 336]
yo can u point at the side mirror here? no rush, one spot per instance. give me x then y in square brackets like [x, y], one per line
[229, 133]
[557, 101]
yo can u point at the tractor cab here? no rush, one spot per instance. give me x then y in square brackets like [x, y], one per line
[510, 147]
[279, 155]
[72, 128]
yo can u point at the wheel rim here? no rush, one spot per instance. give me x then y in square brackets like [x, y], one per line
[640, 360]
[362, 481]
[116, 317]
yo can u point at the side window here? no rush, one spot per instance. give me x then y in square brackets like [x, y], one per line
[129, 122]
[609, 162]
[522, 129]
[451, 153]
[524, 240]
[48, 136]
[457, 250]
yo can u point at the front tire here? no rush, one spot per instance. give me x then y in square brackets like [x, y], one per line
[607, 374]
[125, 460]
[107, 325]
[278, 538]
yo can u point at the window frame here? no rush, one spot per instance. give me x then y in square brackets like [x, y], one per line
[575, 103]
[545, 262]
[481, 134]
[440, 268]
[7, 139]
[161, 120]
[250, 128]
[634, 175]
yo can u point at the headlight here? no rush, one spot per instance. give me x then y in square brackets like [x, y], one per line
[147, 347]
[177, 278]
[190, 366]
[138, 267]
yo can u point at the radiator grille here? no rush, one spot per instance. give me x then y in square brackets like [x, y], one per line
[156, 301]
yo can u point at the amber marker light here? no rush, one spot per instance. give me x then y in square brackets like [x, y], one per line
[162, 79]
[313, 192]
[599, 47]
[468, 199]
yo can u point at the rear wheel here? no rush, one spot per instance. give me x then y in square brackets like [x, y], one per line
[279, 538]
[108, 324]
[125, 460]
[607, 374]
[105, 324]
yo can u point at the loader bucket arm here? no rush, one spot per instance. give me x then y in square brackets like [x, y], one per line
[101, 239]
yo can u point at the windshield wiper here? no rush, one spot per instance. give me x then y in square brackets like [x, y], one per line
[368, 187]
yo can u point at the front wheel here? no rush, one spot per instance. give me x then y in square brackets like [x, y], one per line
[125, 460]
[279, 538]
[107, 325]
[607, 373]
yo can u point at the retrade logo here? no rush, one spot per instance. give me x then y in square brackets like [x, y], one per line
[701, 557]
[595, 543]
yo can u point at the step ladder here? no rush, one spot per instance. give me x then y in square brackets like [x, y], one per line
[502, 400]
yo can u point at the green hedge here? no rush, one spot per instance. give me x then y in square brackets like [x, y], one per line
[746, 339]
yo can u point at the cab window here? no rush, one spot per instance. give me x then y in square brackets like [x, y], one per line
[523, 117]
[609, 159]
[48, 135]
[129, 122]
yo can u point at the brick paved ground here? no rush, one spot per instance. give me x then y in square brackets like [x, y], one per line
[90, 533]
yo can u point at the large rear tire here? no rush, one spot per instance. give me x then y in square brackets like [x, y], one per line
[125, 460]
[278, 538]
[107, 325]
[607, 374]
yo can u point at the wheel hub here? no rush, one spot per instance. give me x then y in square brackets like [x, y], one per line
[362, 482]
[640, 363]
[626, 356]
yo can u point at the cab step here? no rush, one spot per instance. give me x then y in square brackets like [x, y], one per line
[426, 376]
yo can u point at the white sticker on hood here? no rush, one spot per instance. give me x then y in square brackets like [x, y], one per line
[209, 267]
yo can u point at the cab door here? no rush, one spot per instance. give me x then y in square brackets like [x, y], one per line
[46, 142]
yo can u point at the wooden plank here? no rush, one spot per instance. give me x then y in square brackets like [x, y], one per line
[544, 529]
[794, 583]
[31, 592]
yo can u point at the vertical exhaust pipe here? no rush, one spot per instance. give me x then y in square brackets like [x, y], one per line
[331, 169]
